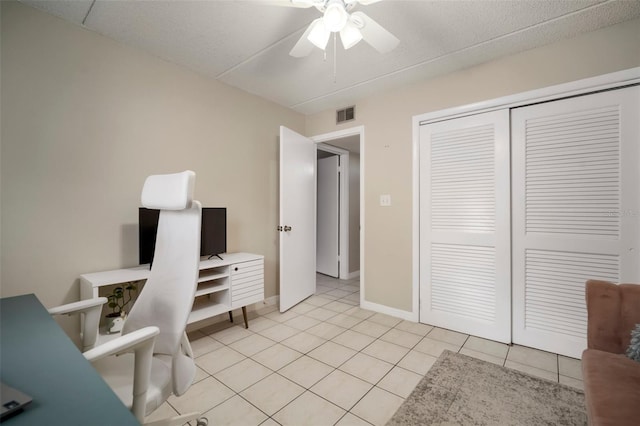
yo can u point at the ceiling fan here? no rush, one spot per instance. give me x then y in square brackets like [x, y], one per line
[336, 18]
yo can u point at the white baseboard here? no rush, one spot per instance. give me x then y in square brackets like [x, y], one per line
[398, 313]
[270, 301]
[354, 274]
[273, 300]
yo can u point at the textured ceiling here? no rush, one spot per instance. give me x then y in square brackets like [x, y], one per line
[246, 43]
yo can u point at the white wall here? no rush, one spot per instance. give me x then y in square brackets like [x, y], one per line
[85, 120]
[387, 159]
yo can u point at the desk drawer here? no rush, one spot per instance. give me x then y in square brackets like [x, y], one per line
[247, 268]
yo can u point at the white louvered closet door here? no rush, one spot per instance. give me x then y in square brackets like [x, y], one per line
[464, 225]
[575, 212]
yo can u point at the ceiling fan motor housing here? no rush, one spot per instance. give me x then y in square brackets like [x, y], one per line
[335, 16]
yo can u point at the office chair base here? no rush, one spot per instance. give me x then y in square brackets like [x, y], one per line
[180, 420]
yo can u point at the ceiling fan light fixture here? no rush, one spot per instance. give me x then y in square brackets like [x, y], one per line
[350, 36]
[335, 16]
[319, 35]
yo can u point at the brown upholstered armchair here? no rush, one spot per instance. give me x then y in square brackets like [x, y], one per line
[611, 379]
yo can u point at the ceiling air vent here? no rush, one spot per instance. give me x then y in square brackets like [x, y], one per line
[346, 114]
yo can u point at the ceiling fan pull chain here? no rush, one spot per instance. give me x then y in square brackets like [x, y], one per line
[335, 58]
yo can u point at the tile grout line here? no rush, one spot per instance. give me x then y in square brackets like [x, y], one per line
[276, 372]
[335, 313]
[273, 372]
[308, 389]
[345, 372]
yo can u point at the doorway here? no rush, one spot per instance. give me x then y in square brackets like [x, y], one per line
[328, 181]
[298, 156]
[346, 146]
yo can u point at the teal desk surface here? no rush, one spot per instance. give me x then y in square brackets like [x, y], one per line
[37, 358]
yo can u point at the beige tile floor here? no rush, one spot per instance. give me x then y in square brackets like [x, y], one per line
[328, 362]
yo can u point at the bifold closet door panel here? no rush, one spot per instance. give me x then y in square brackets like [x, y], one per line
[575, 211]
[464, 225]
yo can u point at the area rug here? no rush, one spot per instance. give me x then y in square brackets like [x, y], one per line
[460, 390]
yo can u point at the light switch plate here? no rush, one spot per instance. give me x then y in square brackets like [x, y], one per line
[385, 200]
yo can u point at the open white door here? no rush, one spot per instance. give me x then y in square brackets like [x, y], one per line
[328, 216]
[297, 218]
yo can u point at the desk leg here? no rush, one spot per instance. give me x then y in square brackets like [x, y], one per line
[244, 314]
[230, 316]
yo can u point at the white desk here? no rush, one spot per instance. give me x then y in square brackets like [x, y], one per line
[223, 285]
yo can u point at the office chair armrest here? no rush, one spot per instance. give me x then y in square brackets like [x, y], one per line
[141, 342]
[91, 309]
[127, 343]
[78, 307]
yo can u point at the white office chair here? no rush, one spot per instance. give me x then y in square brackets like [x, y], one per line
[144, 379]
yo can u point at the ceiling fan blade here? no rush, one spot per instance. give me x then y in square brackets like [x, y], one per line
[350, 35]
[374, 34]
[304, 46]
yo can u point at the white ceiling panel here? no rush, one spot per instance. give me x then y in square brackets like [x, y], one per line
[246, 43]
[208, 36]
[71, 10]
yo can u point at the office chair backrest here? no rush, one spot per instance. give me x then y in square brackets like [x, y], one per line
[167, 297]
